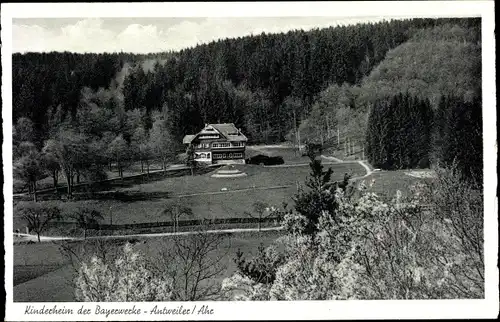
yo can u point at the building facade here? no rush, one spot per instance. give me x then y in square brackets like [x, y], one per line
[218, 144]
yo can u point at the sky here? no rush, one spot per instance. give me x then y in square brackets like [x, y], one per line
[146, 35]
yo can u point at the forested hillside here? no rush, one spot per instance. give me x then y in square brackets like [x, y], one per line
[46, 83]
[79, 113]
[438, 61]
[261, 83]
[438, 66]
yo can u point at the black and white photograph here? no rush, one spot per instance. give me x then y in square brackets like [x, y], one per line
[178, 161]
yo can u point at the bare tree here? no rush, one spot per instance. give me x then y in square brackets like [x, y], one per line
[175, 211]
[87, 218]
[195, 262]
[51, 165]
[260, 208]
[37, 216]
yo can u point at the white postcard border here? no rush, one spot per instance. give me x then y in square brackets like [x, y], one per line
[274, 310]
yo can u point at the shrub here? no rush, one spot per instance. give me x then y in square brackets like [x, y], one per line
[427, 246]
[125, 279]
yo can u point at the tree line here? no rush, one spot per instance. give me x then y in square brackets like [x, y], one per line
[75, 150]
[405, 132]
[263, 83]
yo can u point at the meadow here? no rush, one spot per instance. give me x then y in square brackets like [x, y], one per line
[48, 278]
[202, 193]
[387, 183]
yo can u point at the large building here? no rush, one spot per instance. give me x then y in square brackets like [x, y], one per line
[218, 144]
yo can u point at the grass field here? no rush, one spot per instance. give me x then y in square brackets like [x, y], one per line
[387, 183]
[35, 282]
[46, 277]
[208, 201]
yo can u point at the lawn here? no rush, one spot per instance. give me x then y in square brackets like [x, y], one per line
[53, 286]
[387, 183]
[210, 202]
[257, 176]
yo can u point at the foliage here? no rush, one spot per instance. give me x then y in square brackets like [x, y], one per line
[119, 149]
[261, 82]
[373, 249]
[190, 158]
[399, 133]
[125, 279]
[311, 203]
[436, 60]
[70, 148]
[29, 169]
[161, 142]
[459, 137]
[262, 268]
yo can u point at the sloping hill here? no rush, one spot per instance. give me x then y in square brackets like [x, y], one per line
[439, 61]
[444, 60]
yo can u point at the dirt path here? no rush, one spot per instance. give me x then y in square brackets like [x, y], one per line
[334, 159]
[27, 237]
[367, 168]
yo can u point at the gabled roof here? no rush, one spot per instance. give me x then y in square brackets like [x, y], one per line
[227, 130]
[188, 138]
[230, 131]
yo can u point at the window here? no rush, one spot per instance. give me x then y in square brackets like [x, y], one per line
[238, 143]
[203, 145]
[221, 145]
[209, 136]
[203, 155]
[208, 155]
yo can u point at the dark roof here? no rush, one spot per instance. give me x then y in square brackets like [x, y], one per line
[251, 152]
[230, 131]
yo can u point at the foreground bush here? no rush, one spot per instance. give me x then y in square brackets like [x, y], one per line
[370, 249]
[126, 279]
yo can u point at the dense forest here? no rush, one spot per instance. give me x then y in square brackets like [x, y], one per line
[319, 84]
[261, 83]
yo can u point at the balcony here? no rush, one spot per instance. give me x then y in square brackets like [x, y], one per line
[225, 145]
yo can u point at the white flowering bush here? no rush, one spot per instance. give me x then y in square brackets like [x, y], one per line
[126, 279]
[427, 246]
[242, 288]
